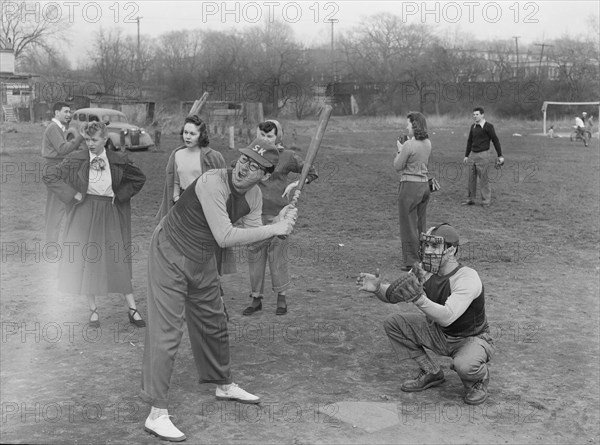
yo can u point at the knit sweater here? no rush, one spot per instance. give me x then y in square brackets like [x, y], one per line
[411, 162]
[479, 139]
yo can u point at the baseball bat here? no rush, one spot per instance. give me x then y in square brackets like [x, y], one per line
[313, 149]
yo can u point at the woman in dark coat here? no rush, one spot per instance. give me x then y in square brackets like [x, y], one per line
[97, 185]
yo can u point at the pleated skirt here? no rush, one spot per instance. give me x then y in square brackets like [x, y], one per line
[95, 256]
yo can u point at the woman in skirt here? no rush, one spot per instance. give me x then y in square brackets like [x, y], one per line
[97, 185]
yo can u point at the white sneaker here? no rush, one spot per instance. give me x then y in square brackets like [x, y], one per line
[163, 428]
[234, 392]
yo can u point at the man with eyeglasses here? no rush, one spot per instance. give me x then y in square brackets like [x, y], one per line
[183, 281]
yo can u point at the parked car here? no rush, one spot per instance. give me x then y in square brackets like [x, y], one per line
[121, 134]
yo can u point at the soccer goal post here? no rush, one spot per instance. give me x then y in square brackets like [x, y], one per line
[546, 103]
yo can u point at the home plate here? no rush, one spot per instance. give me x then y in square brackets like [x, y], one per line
[370, 416]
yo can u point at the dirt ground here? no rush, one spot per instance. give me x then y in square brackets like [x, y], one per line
[326, 372]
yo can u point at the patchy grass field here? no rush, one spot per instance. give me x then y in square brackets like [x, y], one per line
[326, 371]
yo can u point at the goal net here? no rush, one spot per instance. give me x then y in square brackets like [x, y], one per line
[546, 103]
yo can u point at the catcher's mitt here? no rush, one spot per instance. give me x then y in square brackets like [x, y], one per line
[405, 289]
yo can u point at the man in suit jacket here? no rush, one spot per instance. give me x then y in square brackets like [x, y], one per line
[54, 149]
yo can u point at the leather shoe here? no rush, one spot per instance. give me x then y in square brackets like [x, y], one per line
[468, 202]
[139, 323]
[163, 428]
[423, 381]
[478, 393]
[281, 310]
[95, 323]
[252, 309]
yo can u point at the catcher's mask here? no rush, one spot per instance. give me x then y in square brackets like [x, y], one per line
[437, 237]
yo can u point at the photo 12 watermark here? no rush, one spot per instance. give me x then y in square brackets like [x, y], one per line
[271, 11]
[469, 12]
[70, 412]
[70, 11]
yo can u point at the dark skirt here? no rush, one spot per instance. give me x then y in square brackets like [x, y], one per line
[95, 253]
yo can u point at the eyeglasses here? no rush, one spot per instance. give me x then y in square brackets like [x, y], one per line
[253, 166]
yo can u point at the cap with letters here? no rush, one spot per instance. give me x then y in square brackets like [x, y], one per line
[262, 152]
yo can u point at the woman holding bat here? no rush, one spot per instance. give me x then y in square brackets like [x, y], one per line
[411, 162]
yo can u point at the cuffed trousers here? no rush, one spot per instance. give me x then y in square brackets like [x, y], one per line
[479, 167]
[181, 290]
[411, 333]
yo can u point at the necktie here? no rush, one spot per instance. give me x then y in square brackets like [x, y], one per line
[97, 163]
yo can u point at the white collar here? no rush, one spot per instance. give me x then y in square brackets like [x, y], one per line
[59, 123]
[481, 123]
[102, 156]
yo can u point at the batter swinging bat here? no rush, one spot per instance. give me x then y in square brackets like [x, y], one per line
[313, 149]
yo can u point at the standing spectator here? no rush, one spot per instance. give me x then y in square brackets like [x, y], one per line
[188, 161]
[481, 157]
[54, 149]
[96, 185]
[183, 281]
[413, 193]
[275, 192]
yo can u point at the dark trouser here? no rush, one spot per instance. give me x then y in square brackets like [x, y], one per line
[411, 333]
[180, 290]
[412, 205]
[55, 211]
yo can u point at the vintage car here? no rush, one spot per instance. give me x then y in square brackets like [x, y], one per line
[121, 134]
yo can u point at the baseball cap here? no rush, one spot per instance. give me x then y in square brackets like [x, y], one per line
[262, 152]
[447, 232]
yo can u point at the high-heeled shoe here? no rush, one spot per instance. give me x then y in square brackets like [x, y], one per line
[139, 323]
[94, 323]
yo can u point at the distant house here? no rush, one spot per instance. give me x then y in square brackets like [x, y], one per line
[16, 90]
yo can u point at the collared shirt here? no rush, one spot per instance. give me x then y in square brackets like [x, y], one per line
[481, 123]
[60, 124]
[100, 182]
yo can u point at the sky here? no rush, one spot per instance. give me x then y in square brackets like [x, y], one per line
[531, 21]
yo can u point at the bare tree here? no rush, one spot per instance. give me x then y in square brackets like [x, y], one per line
[24, 26]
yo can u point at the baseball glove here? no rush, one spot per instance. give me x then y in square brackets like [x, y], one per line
[405, 289]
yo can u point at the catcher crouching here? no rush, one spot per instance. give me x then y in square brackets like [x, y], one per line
[455, 325]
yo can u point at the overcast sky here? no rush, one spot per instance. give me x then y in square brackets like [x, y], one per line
[532, 21]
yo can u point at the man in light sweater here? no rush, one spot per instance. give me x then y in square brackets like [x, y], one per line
[481, 158]
[183, 280]
[455, 323]
[54, 149]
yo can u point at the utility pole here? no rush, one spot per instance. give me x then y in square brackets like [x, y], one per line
[138, 66]
[543, 45]
[332, 21]
[517, 45]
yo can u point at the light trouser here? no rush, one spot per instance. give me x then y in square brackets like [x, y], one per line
[411, 333]
[412, 206]
[179, 291]
[54, 214]
[479, 168]
[276, 252]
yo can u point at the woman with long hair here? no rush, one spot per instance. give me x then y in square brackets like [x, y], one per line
[413, 193]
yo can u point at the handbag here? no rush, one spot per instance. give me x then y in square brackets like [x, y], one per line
[434, 185]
